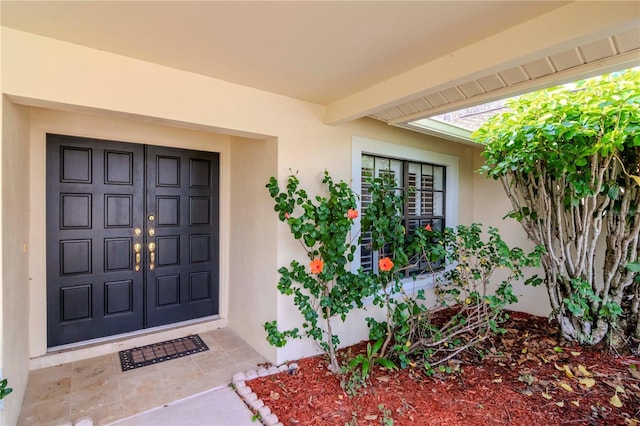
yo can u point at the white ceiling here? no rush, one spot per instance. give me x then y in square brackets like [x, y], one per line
[385, 59]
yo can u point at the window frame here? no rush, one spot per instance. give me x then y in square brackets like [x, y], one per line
[364, 146]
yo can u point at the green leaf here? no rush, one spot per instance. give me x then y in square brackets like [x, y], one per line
[633, 267]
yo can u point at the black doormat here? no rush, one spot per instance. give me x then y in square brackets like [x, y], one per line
[163, 351]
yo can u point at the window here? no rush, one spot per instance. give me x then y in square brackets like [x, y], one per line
[434, 175]
[425, 184]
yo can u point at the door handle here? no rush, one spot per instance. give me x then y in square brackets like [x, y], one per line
[137, 247]
[152, 255]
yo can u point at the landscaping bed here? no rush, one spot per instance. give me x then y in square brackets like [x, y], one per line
[523, 377]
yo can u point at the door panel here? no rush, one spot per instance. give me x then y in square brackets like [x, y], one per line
[94, 202]
[182, 194]
[98, 284]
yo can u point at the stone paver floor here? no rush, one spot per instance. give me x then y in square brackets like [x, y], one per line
[98, 388]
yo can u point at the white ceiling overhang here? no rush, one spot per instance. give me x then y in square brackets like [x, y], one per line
[580, 40]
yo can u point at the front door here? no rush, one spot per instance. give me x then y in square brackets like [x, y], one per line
[132, 237]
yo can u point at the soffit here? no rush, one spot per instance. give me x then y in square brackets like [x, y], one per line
[610, 53]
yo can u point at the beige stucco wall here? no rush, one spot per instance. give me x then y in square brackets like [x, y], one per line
[15, 261]
[81, 91]
[490, 205]
[254, 243]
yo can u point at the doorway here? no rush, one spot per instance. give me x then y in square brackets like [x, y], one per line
[132, 237]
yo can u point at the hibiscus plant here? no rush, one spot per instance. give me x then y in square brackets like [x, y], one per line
[324, 288]
[461, 263]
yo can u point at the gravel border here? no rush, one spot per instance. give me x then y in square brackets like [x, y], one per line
[266, 417]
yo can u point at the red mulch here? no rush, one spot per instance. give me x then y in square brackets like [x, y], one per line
[519, 383]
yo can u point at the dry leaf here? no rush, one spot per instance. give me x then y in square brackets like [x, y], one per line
[546, 396]
[583, 370]
[619, 389]
[565, 386]
[631, 422]
[498, 380]
[587, 382]
[634, 373]
[576, 403]
[560, 404]
[575, 353]
[524, 350]
[615, 401]
[568, 372]
[371, 417]
[566, 369]
[274, 395]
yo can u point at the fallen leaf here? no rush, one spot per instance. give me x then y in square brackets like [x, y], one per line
[565, 386]
[587, 382]
[558, 349]
[274, 395]
[524, 350]
[619, 389]
[634, 372]
[566, 369]
[498, 380]
[583, 370]
[546, 396]
[560, 404]
[631, 422]
[576, 403]
[615, 401]
[371, 417]
[574, 353]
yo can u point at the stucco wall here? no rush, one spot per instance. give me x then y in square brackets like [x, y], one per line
[490, 205]
[253, 248]
[15, 266]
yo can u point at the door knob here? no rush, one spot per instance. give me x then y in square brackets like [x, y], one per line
[152, 255]
[136, 248]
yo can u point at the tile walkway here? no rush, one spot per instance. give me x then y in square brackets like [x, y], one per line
[98, 388]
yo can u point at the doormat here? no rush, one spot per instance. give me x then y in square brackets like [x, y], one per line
[159, 352]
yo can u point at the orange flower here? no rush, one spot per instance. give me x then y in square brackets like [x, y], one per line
[385, 264]
[316, 266]
[352, 213]
[428, 227]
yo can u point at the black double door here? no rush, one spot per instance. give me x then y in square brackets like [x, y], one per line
[132, 237]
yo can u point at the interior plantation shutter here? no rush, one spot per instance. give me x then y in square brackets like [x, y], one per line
[424, 203]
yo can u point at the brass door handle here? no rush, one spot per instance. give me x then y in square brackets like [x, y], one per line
[137, 247]
[152, 255]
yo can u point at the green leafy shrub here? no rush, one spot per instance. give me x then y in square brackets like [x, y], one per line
[568, 159]
[324, 288]
[462, 265]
